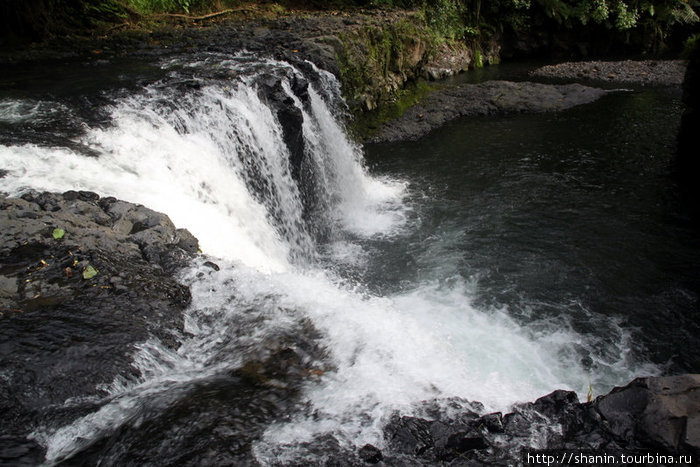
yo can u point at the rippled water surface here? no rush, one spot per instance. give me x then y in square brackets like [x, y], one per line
[569, 218]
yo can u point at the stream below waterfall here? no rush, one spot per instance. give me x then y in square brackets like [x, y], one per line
[493, 261]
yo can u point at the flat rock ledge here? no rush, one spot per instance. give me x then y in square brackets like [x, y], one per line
[489, 98]
[82, 279]
[644, 72]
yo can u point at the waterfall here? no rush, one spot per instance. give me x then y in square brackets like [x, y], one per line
[250, 156]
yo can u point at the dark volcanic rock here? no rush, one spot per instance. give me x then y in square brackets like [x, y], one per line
[288, 115]
[650, 415]
[645, 72]
[370, 454]
[64, 329]
[489, 98]
[663, 413]
[409, 435]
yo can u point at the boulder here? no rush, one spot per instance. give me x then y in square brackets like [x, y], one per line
[663, 413]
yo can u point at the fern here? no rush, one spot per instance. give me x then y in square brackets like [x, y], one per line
[683, 14]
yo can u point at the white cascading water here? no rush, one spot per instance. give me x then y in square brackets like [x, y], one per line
[189, 156]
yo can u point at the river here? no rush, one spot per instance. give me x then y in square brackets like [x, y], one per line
[494, 260]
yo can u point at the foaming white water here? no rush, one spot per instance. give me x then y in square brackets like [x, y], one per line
[214, 160]
[188, 161]
[428, 343]
[132, 174]
[367, 206]
[12, 111]
[221, 331]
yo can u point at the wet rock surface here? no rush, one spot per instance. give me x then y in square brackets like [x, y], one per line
[489, 98]
[643, 72]
[66, 331]
[82, 279]
[650, 416]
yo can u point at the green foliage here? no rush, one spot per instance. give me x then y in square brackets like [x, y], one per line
[556, 9]
[165, 6]
[89, 272]
[651, 19]
[446, 18]
[478, 59]
[690, 44]
[395, 3]
[58, 233]
[614, 14]
[371, 53]
[371, 122]
[104, 9]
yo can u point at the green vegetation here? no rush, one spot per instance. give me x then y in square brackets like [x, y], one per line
[446, 19]
[654, 19]
[404, 98]
[375, 55]
[380, 61]
[89, 272]
[178, 6]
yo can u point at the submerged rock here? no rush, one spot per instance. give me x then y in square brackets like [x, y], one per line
[370, 454]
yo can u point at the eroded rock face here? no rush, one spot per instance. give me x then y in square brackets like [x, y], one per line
[65, 331]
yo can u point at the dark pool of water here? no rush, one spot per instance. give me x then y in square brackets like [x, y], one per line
[571, 217]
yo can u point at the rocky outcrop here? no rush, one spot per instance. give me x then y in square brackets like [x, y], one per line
[82, 280]
[644, 72]
[377, 59]
[489, 98]
[649, 417]
[659, 413]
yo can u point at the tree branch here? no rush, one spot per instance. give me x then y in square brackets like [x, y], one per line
[203, 17]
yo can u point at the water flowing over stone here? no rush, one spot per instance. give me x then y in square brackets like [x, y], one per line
[285, 350]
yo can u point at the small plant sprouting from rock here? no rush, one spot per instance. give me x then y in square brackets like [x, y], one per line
[58, 233]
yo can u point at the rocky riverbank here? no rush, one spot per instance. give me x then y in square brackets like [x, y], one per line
[504, 97]
[373, 52]
[98, 276]
[650, 416]
[82, 280]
